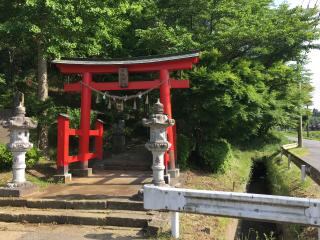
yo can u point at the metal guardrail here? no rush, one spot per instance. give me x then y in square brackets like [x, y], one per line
[312, 172]
[231, 204]
[269, 208]
[290, 146]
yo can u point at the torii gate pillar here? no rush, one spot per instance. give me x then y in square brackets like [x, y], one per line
[165, 99]
[85, 126]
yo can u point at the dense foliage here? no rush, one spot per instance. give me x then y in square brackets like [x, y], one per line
[216, 155]
[186, 146]
[314, 120]
[247, 82]
[33, 155]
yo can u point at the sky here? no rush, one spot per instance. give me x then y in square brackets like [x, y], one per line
[314, 55]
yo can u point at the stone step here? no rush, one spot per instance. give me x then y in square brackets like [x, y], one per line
[137, 158]
[135, 161]
[127, 164]
[112, 204]
[117, 166]
[132, 161]
[119, 218]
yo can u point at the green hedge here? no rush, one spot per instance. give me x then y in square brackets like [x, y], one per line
[32, 157]
[184, 147]
[5, 157]
[216, 155]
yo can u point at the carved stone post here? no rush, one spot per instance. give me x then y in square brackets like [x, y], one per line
[118, 138]
[18, 126]
[158, 144]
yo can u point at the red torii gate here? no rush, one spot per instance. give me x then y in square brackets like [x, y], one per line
[162, 64]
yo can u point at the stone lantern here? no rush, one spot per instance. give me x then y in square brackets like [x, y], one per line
[158, 144]
[19, 126]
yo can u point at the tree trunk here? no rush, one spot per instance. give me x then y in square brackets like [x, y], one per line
[300, 119]
[42, 78]
[300, 144]
[307, 125]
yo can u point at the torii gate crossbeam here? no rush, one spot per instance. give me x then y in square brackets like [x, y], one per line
[161, 64]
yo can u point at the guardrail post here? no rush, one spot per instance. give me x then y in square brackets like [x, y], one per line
[175, 224]
[289, 161]
[318, 233]
[303, 173]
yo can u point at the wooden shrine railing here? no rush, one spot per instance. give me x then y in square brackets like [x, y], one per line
[64, 133]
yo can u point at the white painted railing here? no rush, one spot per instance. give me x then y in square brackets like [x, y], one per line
[230, 204]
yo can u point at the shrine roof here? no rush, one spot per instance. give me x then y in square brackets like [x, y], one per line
[136, 64]
[127, 61]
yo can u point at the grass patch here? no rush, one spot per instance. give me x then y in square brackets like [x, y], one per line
[235, 178]
[287, 182]
[40, 182]
[40, 174]
[5, 177]
[300, 152]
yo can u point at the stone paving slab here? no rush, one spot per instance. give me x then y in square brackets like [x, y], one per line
[104, 184]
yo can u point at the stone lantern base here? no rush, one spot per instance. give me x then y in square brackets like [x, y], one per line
[174, 173]
[62, 178]
[18, 189]
[167, 179]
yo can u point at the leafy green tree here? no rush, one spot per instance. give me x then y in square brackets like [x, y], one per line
[244, 84]
[247, 82]
[55, 29]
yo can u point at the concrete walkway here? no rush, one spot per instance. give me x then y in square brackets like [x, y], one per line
[103, 184]
[313, 157]
[27, 231]
[121, 218]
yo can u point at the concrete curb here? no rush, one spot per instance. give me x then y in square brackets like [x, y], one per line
[112, 204]
[75, 220]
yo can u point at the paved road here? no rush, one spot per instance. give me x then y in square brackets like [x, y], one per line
[313, 157]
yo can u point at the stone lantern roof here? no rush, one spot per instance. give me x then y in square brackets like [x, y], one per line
[19, 120]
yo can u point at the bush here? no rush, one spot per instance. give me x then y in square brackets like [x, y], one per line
[184, 148]
[5, 157]
[75, 115]
[216, 155]
[32, 157]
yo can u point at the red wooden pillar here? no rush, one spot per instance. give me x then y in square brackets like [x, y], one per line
[85, 120]
[165, 99]
[174, 129]
[63, 144]
[99, 139]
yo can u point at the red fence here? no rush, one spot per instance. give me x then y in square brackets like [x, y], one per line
[64, 133]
